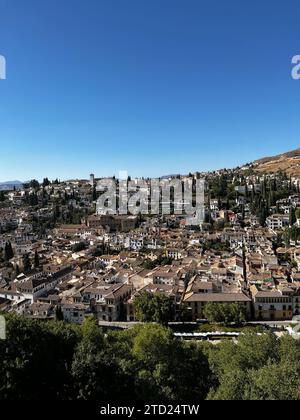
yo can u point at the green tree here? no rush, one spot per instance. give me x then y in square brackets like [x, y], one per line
[229, 361]
[34, 184]
[293, 218]
[46, 182]
[154, 307]
[59, 316]
[17, 271]
[41, 352]
[8, 251]
[2, 196]
[81, 246]
[26, 263]
[94, 370]
[166, 366]
[274, 382]
[225, 313]
[232, 386]
[36, 260]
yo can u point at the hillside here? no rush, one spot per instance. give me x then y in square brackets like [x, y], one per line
[288, 162]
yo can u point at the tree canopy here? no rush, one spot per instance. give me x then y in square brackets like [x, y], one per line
[225, 313]
[154, 307]
[60, 361]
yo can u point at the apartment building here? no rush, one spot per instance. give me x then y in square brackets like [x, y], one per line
[107, 301]
[278, 221]
[271, 305]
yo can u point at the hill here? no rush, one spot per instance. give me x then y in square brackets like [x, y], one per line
[288, 162]
[9, 185]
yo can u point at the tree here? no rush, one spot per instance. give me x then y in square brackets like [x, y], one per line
[274, 382]
[46, 182]
[94, 370]
[232, 364]
[291, 234]
[293, 218]
[36, 260]
[262, 213]
[71, 362]
[232, 386]
[154, 307]
[166, 366]
[94, 195]
[81, 246]
[26, 263]
[59, 316]
[41, 352]
[17, 270]
[2, 196]
[225, 313]
[8, 252]
[34, 184]
[149, 265]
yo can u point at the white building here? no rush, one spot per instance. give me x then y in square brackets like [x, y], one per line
[278, 221]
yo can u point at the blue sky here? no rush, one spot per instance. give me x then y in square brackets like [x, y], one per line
[149, 86]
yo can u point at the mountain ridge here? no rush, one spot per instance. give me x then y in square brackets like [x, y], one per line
[8, 185]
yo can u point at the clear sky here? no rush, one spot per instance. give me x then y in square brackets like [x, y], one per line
[149, 86]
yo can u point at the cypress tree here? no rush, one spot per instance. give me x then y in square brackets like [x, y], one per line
[26, 263]
[8, 251]
[293, 218]
[36, 260]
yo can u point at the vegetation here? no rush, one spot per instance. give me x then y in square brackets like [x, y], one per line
[59, 361]
[225, 313]
[8, 252]
[216, 246]
[291, 234]
[2, 196]
[161, 261]
[26, 263]
[81, 246]
[55, 361]
[154, 307]
[261, 196]
[256, 368]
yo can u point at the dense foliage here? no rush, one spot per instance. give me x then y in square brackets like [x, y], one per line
[53, 361]
[225, 313]
[154, 307]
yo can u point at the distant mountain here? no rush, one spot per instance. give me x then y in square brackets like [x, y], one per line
[287, 162]
[10, 185]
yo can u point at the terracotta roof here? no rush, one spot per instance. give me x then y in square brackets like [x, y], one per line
[217, 297]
